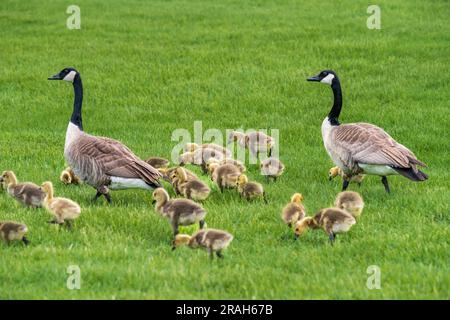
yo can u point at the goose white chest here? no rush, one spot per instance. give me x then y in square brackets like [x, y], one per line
[72, 133]
[327, 130]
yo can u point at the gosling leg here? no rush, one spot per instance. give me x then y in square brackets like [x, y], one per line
[25, 240]
[265, 198]
[175, 229]
[201, 224]
[385, 184]
[211, 254]
[332, 238]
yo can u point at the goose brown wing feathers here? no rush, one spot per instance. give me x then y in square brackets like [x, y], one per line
[114, 159]
[369, 144]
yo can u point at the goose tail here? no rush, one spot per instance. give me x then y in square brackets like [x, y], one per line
[148, 174]
[412, 173]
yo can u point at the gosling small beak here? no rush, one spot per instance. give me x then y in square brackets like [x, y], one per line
[295, 236]
[330, 178]
[154, 201]
[55, 77]
[314, 78]
[173, 248]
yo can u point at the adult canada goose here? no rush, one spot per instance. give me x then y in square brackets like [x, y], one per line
[363, 148]
[101, 162]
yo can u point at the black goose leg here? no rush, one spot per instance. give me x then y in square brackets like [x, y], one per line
[107, 197]
[345, 185]
[102, 191]
[385, 184]
[97, 195]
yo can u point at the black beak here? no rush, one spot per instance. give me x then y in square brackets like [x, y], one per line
[55, 77]
[154, 201]
[296, 237]
[314, 78]
[330, 178]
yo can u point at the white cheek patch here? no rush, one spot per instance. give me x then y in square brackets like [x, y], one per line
[328, 79]
[70, 76]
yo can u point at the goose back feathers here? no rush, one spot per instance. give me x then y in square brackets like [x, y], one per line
[101, 161]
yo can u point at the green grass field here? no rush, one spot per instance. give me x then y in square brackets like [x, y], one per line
[149, 68]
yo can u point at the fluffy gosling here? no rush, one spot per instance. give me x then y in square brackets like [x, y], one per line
[191, 147]
[63, 210]
[272, 168]
[182, 212]
[234, 162]
[336, 171]
[237, 137]
[200, 157]
[250, 190]
[169, 174]
[190, 188]
[255, 141]
[225, 176]
[212, 240]
[258, 141]
[157, 162]
[10, 231]
[331, 220]
[350, 201]
[68, 177]
[27, 193]
[294, 210]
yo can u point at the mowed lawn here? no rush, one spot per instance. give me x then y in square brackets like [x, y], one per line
[149, 68]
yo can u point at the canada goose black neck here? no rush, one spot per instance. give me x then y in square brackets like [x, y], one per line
[335, 111]
[76, 118]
